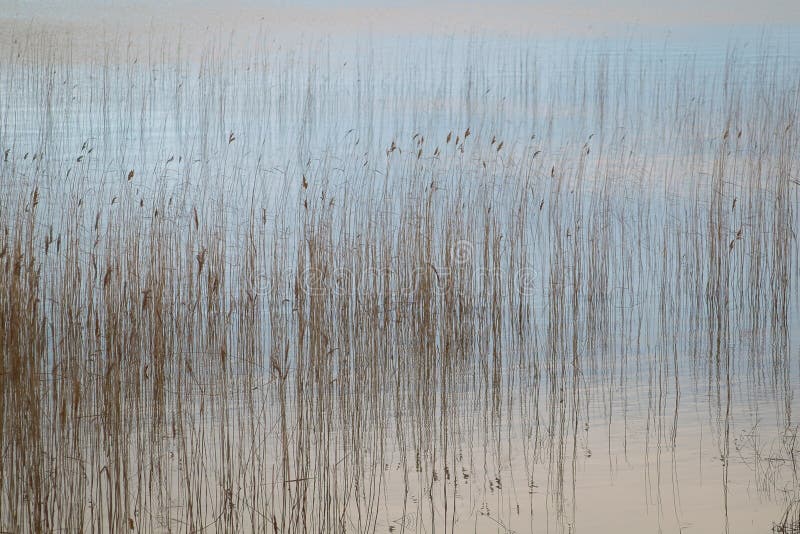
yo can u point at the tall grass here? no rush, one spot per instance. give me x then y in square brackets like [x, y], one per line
[268, 290]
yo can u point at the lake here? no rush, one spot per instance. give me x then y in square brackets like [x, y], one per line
[377, 275]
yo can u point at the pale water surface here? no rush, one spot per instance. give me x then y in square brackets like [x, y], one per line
[295, 282]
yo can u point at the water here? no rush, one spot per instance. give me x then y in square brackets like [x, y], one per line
[272, 283]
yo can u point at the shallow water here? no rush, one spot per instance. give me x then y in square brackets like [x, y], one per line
[280, 287]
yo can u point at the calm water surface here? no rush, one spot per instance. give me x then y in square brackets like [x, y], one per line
[617, 352]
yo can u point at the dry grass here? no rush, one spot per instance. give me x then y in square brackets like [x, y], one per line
[344, 329]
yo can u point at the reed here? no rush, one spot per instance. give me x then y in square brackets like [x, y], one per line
[262, 290]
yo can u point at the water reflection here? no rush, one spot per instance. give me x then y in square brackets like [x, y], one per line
[521, 289]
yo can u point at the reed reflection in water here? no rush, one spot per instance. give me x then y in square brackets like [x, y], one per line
[267, 289]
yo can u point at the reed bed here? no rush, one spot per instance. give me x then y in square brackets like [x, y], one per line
[269, 291]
